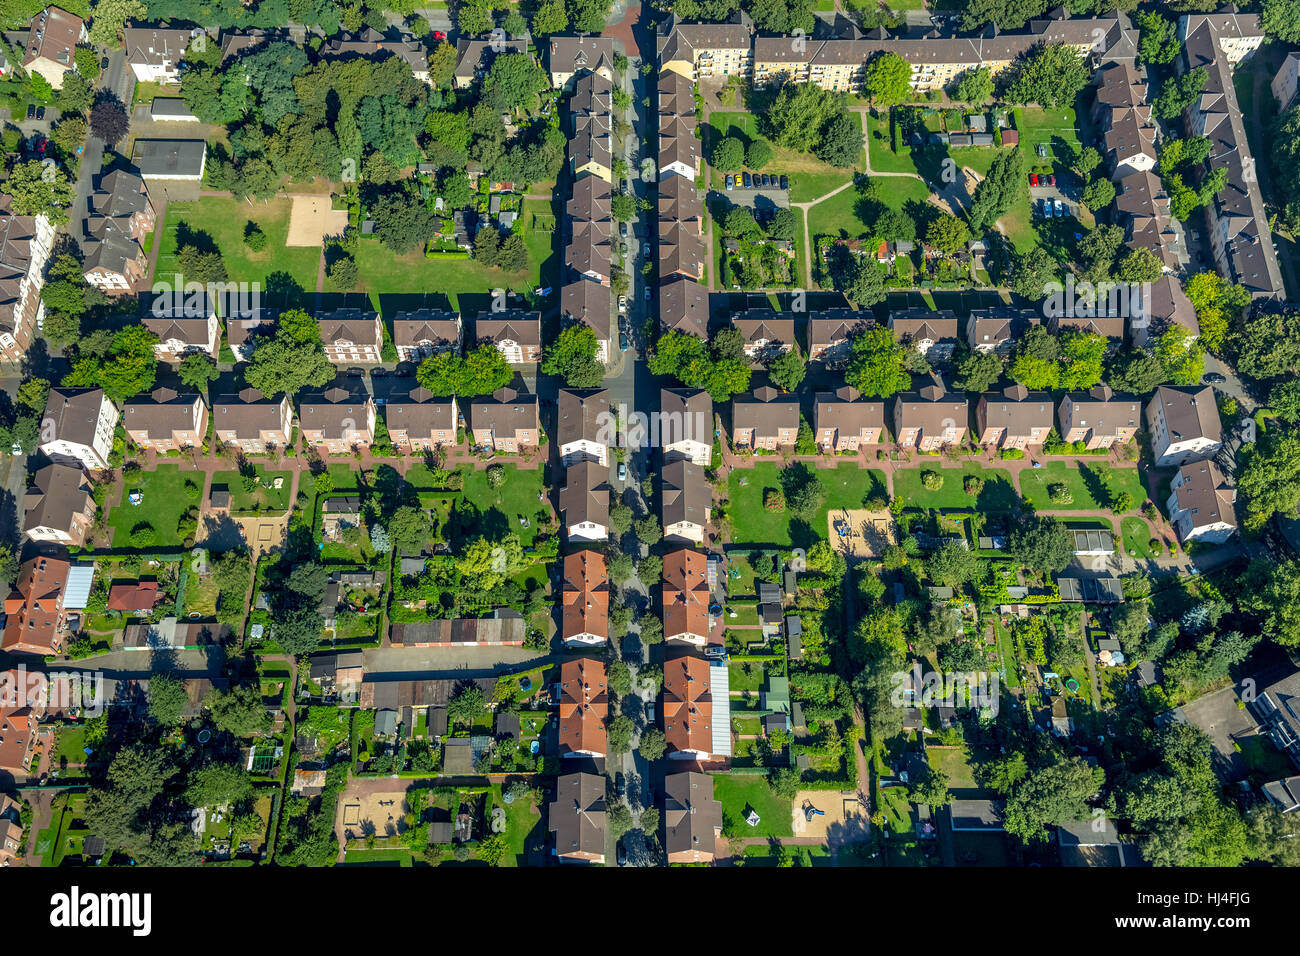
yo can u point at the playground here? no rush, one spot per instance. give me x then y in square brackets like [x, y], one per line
[824, 814]
[382, 813]
[858, 533]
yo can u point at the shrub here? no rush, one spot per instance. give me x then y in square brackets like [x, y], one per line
[931, 480]
[1060, 494]
[1012, 454]
[254, 237]
[973, 485]
[774, 499]
[496, 476]
[1155, 547]
[143, 535]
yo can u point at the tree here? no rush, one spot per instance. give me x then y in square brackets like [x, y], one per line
[197, 370]
[998, 191]
[167, 699]
[1159, 40]
[1269, 477]
[841, 141]
[1281, 19]
[876, 367]
[975, 86]
[620, 519]
[467, 705]
[787, 370]
[550, 17]
[239, 711]
[649, 531]
[620, 733]
[947, 233]
[977, 371]
[513, 81]
[1049, 75]
[758, 154]
[285, 363]
[894, 225]
[1136, 372]
[108, 119]
[1178, 91]
[1056, 793]
[1034, 364]
[217, 785]
[1269, 344]
[932, 788]
[1082, 354]
[110, 17]
[588, 16]
[1098, 194]
[1181, 354]
[409, 528]
[403, 221]
[573, 357]
[728, 153]
[297, 628]
[953, 565]
[128, 369]
[1033, 272]
[473, 20]
[38, 188]
[1218, 303]
[887, 79]
[343, 274]
[1087, 160]
[70, 133]
[1041, 542]
[653, 744]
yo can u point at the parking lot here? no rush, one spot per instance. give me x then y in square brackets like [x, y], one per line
[772, 197]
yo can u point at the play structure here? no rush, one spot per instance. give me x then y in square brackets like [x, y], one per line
[809, 811]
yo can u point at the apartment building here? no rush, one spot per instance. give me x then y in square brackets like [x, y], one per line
[166, 420]
[1184, 425]
[77, 427]
[1098, 418]
[844, 421]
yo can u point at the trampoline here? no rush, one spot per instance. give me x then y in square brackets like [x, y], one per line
[1072, 685]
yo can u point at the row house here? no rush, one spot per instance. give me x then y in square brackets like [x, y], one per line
[34, 621]
[337, 420]
[78, 426]
[692, 818]
[1098, 418]
[251, 422]
[18, 736]
[516, 333]
[506, 422]
[370, 44]
[844, 421]
[1107, 322]
[676, 94]
[686, 598]
[584, 501]
[681, 251]
[243, 333]
[166, 420]
[1166, 304]
[52, 38]
[588, 303]
[685, 499]
[688, 708]
[589, 249]
[1017, 418]
[119, 217]
[684, 307]
[831, 334]
[681, 202]
[1201, 504]
[584, 708]
[351, 336]
[930, 419]
[933, 334]
[584, 596]
[425, 332]
[679, 147]
[475, 55]
[584, 426]
[591, 148]
[58, 507]
[686, 425]
[419, 421]
[25, 246]
[1184, 425]
[1236, 218]
[155, 54]
[569, 56]
[577, 818]
[766, 419]
[766, 334]
[1143, 208]
[997, 329]
[180, 333]
[1129, 141]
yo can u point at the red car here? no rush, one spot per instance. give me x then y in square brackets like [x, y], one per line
[439, 35]
[1051, 180]
[1033, 179]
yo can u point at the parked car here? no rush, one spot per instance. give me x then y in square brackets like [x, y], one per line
[1051, 180]
[730, 184]
[1047, 208]
[31, 110]
[622, 471]
[103, 63]
[16, 449]
[1033, 179]
[439, 35]
[622, 229]
[1214, 378]
[622, 854]
[785, 182]
[649, 711]
[647, 293]
[40, 112]
[1060, 208]
[620, 783]
[379, 372]
[356, 372]
[747, 181]
[622, 304]
[622, 341]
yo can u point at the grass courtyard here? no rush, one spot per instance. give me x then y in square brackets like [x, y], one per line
[1091, 492]
[809, 176]
[998, 493]
[516, 498]
[263, 497]
[739, 793]
[164, 499]
[846, 487]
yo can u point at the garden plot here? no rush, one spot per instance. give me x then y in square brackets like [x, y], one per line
[859, 533]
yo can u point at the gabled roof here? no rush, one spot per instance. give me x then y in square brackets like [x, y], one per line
[765, 410]
[582, 414]
[688, 704]
[585, 495]
[577, 817]
[585, 595]
[515, 325]
[426, 325]
[72, 413]
[584, 706]
[685, 593]
[350, 325]
[686, 495]
[1190, 412]
[58, 494]
[692, 817]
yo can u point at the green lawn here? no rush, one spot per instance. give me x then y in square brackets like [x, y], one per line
[846, 487]
[165, 500]
[261, 498]
[801, 855]
[999, 493]
[221, 222]
[1137, 537]
[955, 762]
[842, 215]
[746, 675]
[739, 793]
[1088, 494]
[516, 498]
[809, 176]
